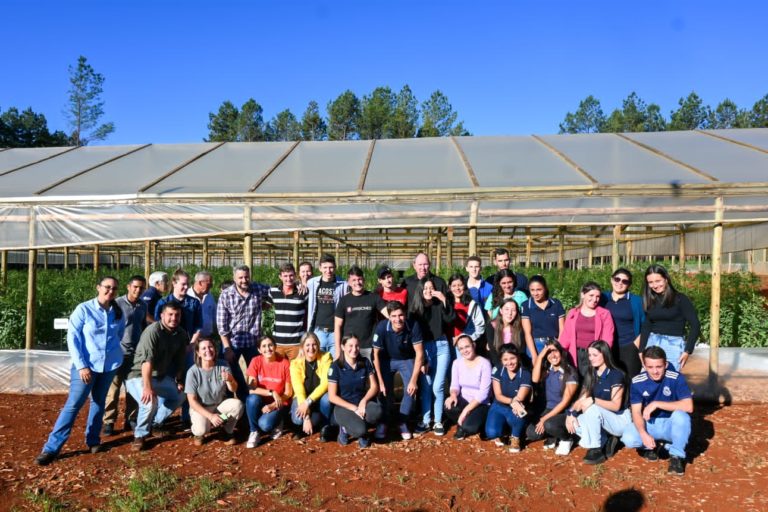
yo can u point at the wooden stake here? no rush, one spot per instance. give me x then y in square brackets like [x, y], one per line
[714, 311]
[560, 249]
[296, 235]
[528, 247]
[147, 260]
[3, 268]
[615, 247]
[472, 235]
[449, 247]
[681, 237]
[96, 255]
[206, 254]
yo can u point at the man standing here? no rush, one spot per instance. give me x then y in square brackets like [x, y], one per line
[238, 317]
[502, 261]
[135, 314]
[290, 313]
[662, 404]
[478, 288]
[156, 380]
[191, 313]
[357, 313]
[421, 265]
[158, 285]
[387, 289]
[325, 291]
[201, 292]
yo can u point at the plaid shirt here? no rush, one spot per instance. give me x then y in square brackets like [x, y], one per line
[238, 317]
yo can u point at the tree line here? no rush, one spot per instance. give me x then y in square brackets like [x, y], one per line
[637, 116]
[382, 114]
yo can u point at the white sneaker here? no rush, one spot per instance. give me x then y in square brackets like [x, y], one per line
[405, 433]
[564, 447]
[438, 429]
[550, 443]
[381, 432]
[253, 440]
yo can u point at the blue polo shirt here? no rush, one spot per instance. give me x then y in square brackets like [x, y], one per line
[623, 319]
[481, 293]
[150, 298]
[553, 386]
[352, 382]
[397, 346]
[604, 384]
[191, 312]
[510, 386]
[544, 322]
[671, 388]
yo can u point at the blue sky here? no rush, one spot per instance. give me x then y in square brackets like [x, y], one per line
[513, 67]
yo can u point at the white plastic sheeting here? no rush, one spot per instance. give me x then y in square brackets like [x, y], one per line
[34, 371]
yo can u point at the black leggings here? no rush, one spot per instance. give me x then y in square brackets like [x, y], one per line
[553, 427]
[629, 357]
[475, 420]
[354, 424]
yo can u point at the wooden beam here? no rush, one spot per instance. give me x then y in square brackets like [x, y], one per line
[714, 311]
[96, 262]
[681, 247]
[179, 167]
[561, 249]
[296, 249]
[29, 334]
[147, 260]
[449, 247]
[3, 268]
[66, 258]
[274, 166]
[465, 162]
[206, 263]
[662, 154]
[366, 165]
[565, 159]
[615, 247]
[472, 234]
[248, 238]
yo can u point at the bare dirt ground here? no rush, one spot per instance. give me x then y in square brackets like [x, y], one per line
[727, 470]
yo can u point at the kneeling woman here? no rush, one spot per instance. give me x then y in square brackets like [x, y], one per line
[352, 388]
[311, 409]
[467, 406]
[206, 386]
[269, 380]
[511, 390]
[600, 407]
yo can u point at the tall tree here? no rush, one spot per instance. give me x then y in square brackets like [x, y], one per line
[231, 124]
[728, 115]
[588, 118]
[375, 114]
[313, 126]
[86, 108]
[250, 122]
[692, 114]
[343, 115]
[439, 118]
[405, 115]
[759, 115]
[27, 129]
[283, 127]
[634, 116]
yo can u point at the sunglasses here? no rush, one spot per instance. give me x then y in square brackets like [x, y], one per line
[621, 280]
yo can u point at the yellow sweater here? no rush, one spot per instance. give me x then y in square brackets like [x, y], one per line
[298, 374]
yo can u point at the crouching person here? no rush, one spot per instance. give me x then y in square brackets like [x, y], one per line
[206, 386]
[662, 404]
[311, 408]
[156, 380]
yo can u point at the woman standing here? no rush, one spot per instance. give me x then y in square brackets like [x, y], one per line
[352, 388]
[467, 405]
[269, 382]
[667, 314]
[506, 331]
[206, 386]
[511, 389]
[434, 313]
[503, 288]
[311, 408]
[584, 324]
[469, 317]
[93, 340]
[543, 317]
[628, 316]
[600, 407]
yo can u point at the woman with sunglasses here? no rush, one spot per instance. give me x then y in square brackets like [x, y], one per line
[628, 316]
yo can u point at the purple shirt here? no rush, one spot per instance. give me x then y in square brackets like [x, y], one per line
[472, 383]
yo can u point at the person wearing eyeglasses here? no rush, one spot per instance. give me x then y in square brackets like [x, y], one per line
[626, 309]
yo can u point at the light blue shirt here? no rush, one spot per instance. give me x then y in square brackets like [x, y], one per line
[93, 337]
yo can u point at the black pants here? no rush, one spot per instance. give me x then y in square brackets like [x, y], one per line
[553, 427]
[354, 424]
[475, 420]
[629, 357]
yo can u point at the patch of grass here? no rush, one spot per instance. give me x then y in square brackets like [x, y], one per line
[291, 502]
[317, 501]
[402, 478]
[522, 490]
[149, 489]
[206, 493]
[478, 495]
[304, 486]
[46, 503]
[280, 487]
[592, 481]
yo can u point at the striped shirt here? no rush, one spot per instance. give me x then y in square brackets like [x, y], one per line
[290, 316]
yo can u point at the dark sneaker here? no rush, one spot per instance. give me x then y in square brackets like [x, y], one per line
[139, 443]
[97, 448]
[421, 428]
[594, 456]
[438, 429]
[514, 444]
[160, 431]
[229, 439]
[109, 429]
[550, 443]
[326, 434]
[460, 435]
[197, 440]
[45, 458]
[364, 442]
[611, 446]
[650, 455]
[676, 466]
[343, 438]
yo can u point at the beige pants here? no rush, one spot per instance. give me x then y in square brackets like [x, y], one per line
[232, 407]
[288, 351]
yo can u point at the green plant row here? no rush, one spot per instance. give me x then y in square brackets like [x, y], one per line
[743, 322]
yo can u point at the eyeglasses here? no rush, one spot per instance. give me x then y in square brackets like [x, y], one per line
[108, 287]
[626, 282]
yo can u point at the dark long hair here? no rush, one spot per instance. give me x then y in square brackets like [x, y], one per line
[569, 372]
[538, 278]
[590, 379]
[650, 298]
[416, 304]
[498, 293]
[466, 297]
[516, 327]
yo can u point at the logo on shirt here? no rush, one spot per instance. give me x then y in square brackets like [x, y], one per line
[645, 393]
[667, 391]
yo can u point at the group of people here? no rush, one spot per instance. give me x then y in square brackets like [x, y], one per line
[518, 367]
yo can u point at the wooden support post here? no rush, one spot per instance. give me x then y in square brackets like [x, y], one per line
[449, 248]
[628, 252]
[699, 259]
[439, 251]
[472, 235]
[528, 247]
[117, 260]
[248, 238]
[730, 261]
[319, 248]
[96, 255]
[157, 255]
[338, 246]
[615, 247]
[714, 311]
[681, 247]
[296, 236]
[3, 268]
[147, 260]
[77, 260]
[590, 254]
[560, 249]
[45, 259]
[750, 261]
[206, 263]
[194, 256]
[66, 258]
[31, 298]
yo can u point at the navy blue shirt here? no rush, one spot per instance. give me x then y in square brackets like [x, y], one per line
[621, 311]
[671, 388]
[544, 322]
[510, 386]
[481, 293]
[397, 345]
[553, 385]
[352, 382]
[603, 386]
[191, 312]
[150, 298]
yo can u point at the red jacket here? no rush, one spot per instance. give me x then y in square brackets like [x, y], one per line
[603, 330]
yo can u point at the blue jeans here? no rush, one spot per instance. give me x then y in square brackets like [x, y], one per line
[596, 421]
[247, 353]
[167, 399]
[327, 341]
[673, 346]
[388, 369]
[676, 428]
[319, 412]
[259, 421]
[499, 416]
[78, 393]
[438, 357]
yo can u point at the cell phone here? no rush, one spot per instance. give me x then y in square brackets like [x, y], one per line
[522, 414]
[223, 416]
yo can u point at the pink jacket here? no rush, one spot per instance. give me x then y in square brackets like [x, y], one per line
[603, 330]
